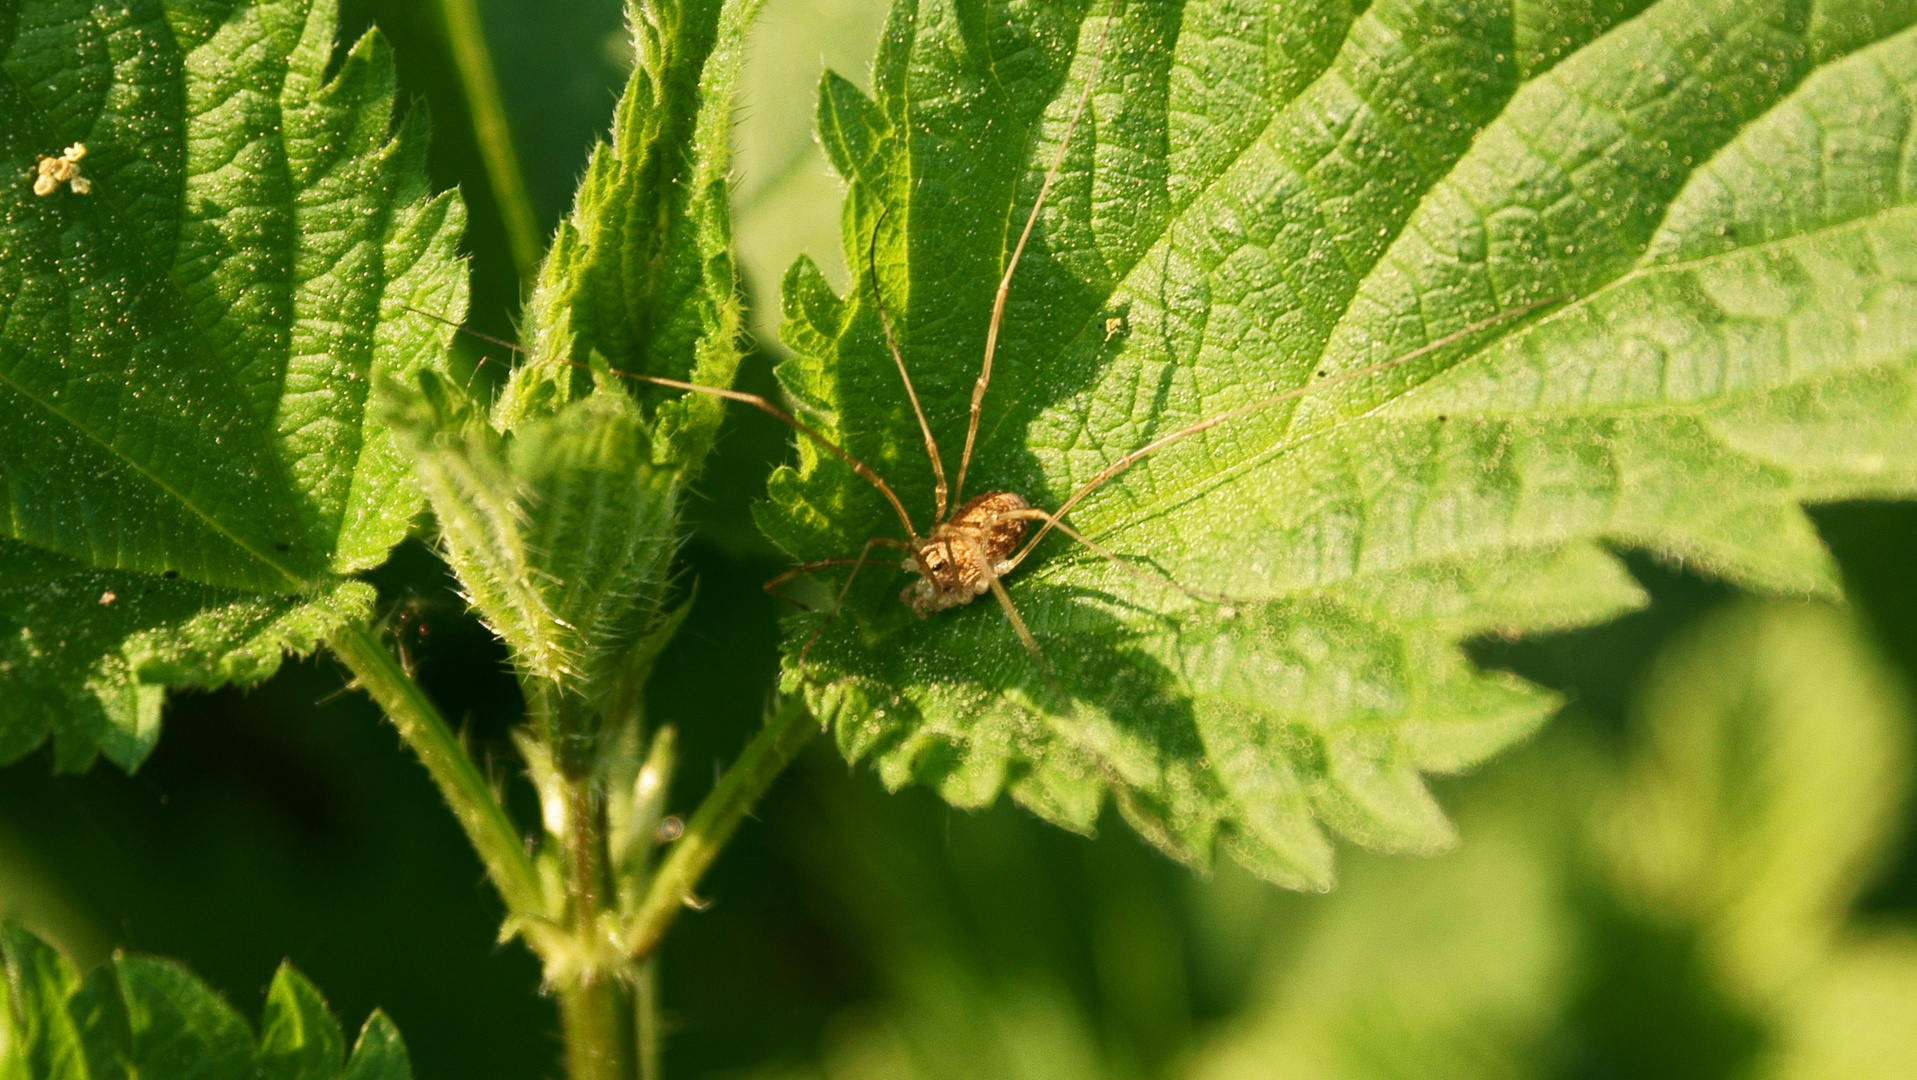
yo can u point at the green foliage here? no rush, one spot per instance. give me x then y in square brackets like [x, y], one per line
[1774, 762]
[559, 512]
[187, 349]
[641, 273]
[562, 532]
[138, 1016]
[1769, 762]
[87, 653]
[1696, 925]
[1257, 198]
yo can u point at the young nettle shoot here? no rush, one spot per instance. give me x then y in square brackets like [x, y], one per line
[974, 544]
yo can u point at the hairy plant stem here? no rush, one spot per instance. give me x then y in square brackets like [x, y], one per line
[608, 1005]
[645, 1008]
[717, 818]
[585, 837]
[596, 1021]
[466, 38]
[593, 1005]
[460, 782]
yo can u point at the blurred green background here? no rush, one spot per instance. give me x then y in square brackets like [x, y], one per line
[1705, 868]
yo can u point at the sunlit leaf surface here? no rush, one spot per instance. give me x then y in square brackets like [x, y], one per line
[189, 335]
[1715, 197]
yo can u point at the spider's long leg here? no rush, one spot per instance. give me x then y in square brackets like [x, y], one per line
[1018, 625]
[1005, 282]
[1207, 424]
[773, 585]
[797, 425]
[892, 343]
[839, 601]
[1149, 577]
[865, 471]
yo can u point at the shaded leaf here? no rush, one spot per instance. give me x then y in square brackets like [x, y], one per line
[150, 1018]
[87, 654]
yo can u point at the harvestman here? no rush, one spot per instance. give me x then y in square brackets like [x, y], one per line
[970, 550]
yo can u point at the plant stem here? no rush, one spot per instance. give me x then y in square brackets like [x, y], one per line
[594, 1018]
[493, 836]
[593, 1004]
[584, 838]
[645, 1008]
[467, 39]
[715, 821]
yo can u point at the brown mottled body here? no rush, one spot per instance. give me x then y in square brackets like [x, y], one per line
[964, 555]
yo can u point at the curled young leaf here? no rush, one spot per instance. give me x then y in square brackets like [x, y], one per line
[562, 532]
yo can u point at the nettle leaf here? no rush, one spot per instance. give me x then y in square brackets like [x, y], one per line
[641, 274]
[1694, 215]
[151, 1018]
[188, 335]
[86, 654]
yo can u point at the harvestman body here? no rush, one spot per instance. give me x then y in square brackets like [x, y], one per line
[970, 551]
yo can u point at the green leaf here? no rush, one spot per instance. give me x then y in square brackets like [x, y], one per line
[86, 654]
[188, 345]
[561, 532]
[641, 273]
[151, 1018]
[1526, 953]
[1692, 221]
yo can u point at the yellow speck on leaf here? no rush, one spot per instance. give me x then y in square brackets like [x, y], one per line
[65, 169]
